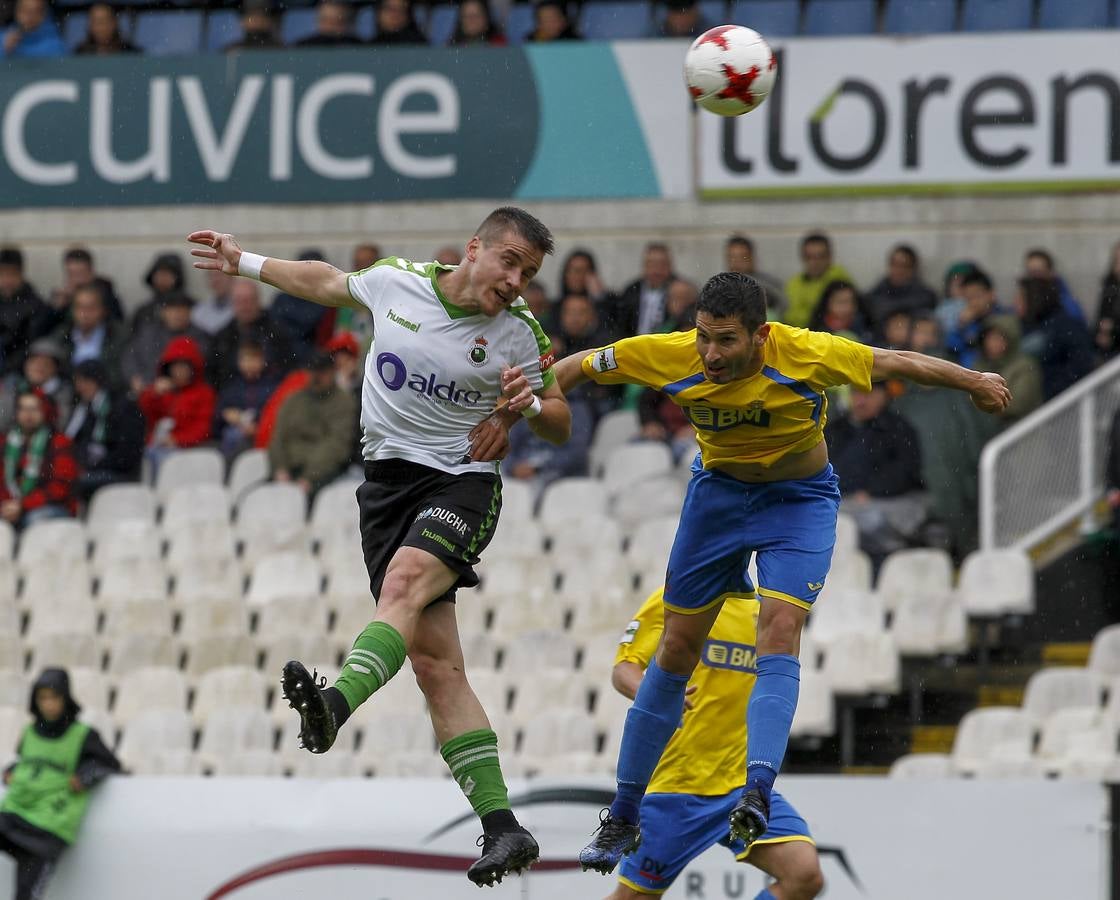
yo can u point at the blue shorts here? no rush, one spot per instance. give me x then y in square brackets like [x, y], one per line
[677, 828]
[791, 525]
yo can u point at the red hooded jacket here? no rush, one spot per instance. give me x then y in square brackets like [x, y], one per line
[191, 408]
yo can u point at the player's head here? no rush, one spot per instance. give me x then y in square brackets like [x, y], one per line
[504, 256]
[731, 326]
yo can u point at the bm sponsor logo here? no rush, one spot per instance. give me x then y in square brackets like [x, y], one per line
[711, 418]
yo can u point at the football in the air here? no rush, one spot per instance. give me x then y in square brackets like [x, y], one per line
[730, 70]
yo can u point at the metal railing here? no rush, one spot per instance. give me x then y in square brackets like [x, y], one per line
[1048, 470]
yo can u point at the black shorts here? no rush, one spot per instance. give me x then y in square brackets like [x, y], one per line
[405, 504]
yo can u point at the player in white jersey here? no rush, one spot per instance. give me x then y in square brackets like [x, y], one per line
[452, 345]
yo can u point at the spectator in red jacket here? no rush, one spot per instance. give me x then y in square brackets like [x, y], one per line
[179, 406]
[38, 470]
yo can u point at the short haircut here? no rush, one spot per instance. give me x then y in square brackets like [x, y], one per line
[94, 289]
[816, 237]
[977, 276]
[11, 256]
[907, 251]
[78, 254]
[740, 240]
[657, 247]
[734, 294]
[510, 218]
[1039, 253]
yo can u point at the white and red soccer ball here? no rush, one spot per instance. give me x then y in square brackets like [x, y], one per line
[730, 70]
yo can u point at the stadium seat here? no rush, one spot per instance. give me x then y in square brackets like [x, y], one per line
[614, 20]
[296, 25]
[15, 687]
[9, 617]
[206, 618]
[138, 650]
[201, 465]
[396, 733]
[492, 689]
[632, 464]
[683, 467]
[148, 688]
[536, 650]
[515, 539]
[56, 542]
[65, 614]
[597, 533]
[193, 544]
[997, 15]
[7, 544]
[146, 580]
[12, 724]
[44, 583]
[504, 577]
[1070, 736]
[650, 542]
[481, 650]
[519, 22]
[857, 663]
[597, 653]
[207, 579]
[917, 572]
[213, 651]
[661, 495]
[257, 763]
[984, 730]
[195, 505]
[920, 16]
[772, 18]
[929, 625]
[62, 649]
[825, 18]
[119, 503]
[1104, 657]
[334, 519]
[226, 687]
[223, 27]
[518, 500]
[518, 613]
[352, 613]
[287, 574]
[561, 689]
[347, 576]
[122, 544]
[282, 614]
[921, 766]
[568, 499]
[847, 534]
[149, 734]
[1050, 690]
[152, 616]
[270, 519]
[168, 33]
[90, 687]
[324, 765]
[247, 471]
[840, 612]
[556, 732]
[1082, 14]
[997, 582]
[233, 730]
[441, 24]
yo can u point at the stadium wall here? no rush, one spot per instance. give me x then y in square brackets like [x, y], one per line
[250, 839]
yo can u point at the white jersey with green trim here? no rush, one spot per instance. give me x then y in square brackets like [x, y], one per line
[434, 371]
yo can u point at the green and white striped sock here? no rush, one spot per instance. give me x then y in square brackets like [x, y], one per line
[377, 656]
[473, 760]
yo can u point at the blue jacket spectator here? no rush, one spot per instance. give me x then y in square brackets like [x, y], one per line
[963, 339]
[1060, 343]
[534, 459]
[1040, 264]
[33, 34]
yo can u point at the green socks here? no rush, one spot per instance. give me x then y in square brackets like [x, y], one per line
[377, 656]
[473, 760]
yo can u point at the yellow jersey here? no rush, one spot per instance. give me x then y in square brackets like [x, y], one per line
[708, 754]
[779, 410]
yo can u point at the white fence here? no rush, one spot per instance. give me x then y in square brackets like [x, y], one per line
[1048, 470]
[879, 839]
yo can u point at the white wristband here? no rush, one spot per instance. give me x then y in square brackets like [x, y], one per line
[250, 265]
[533, 409]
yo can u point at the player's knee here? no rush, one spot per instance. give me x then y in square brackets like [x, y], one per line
[803, 883]
[779, 627]
[436, 677]
[679, 652]
[400, 587]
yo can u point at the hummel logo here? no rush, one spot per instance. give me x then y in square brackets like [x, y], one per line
[468, 785]
[815, 585]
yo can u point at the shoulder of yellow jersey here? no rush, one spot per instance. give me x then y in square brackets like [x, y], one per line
[654, 360]
[817, 358]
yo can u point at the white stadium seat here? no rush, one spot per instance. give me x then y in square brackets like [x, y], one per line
[12, 651]
[347, 576]
[199, 466]
[685, 459]
[278, 648]
[930, 624]
[517, 502]
[148, 688]
[232, 730]
[283, 615]
[850, 570]
[191, 547]
[860, 663]
[90, 687]
[44, 583]
[986, 731]
[121, 544]
[334, 516]
[9, 616]
[517, 539]
[139, 650]
[920, 766]
[563, 689]
[555, 732]
[120, 503]
[840, 612]
[214, 651]
[228, 686]
[481, 650]
[64, 615]
[15, 687]
[287, 574]
[394, 733]
[661, 495]
[207, 580]
[996, 583]
[613, 430]
[1104, 657]
[56, 542]
[536, 650]
[514, 614]
[203, 618]
[596, 533]
[151, 616]
[248, 469]
[12, 724]
[7, 544]
[847, 534]
[650, 542]
[62, 649]
[199, 504]
[130, 582]
[918, 572]
[492, 689]
[1075, 735]
[631, 464]
[149, 734]
[270, 519]
[1050, 690]
[568, 500]
[815, 715]
[258, 763]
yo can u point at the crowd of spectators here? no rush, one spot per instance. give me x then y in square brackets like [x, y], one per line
[31, 29]
[87, 394]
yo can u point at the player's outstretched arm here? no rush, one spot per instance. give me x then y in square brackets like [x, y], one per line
[312, 280]
[988, 390]
[569, 372]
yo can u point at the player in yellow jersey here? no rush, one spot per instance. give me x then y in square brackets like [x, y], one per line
[697, 782]
[755, 392]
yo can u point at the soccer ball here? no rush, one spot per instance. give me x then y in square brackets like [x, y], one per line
[730, 70]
